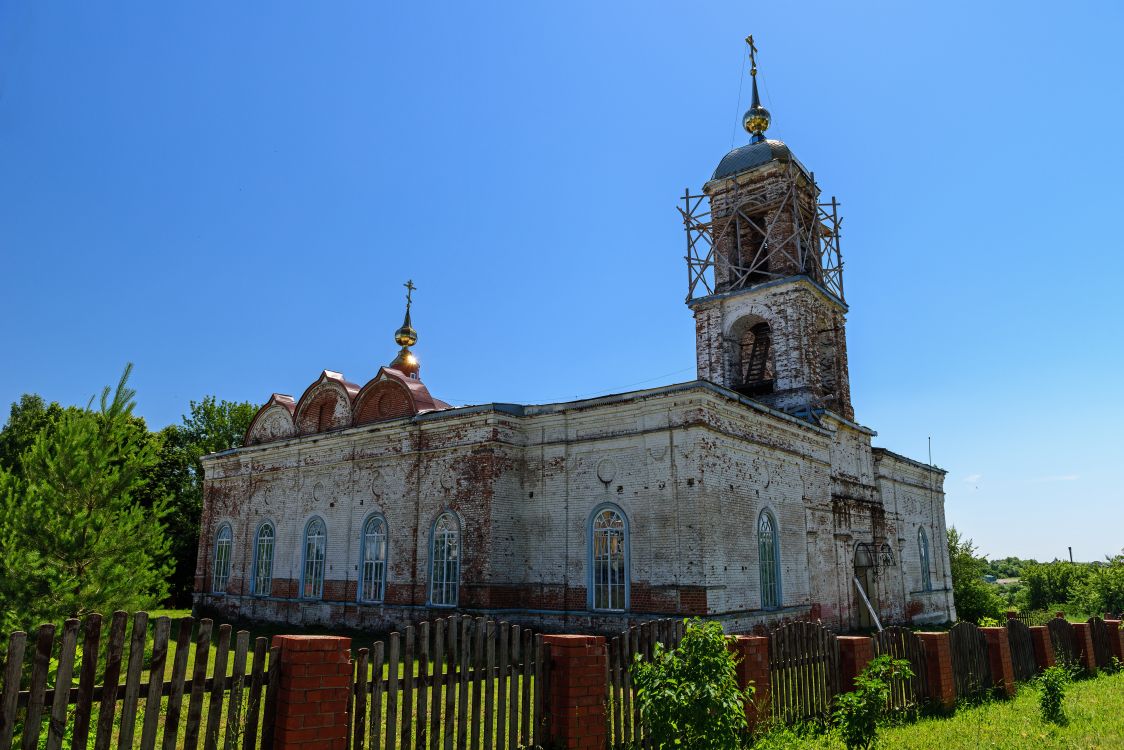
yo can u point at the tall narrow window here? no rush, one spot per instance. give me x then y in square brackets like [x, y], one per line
[262, 580]
[445, 562]
[769, 557]
[923, 547]
[372, 580]
[312, 581]
[220, 575]
[609, 553]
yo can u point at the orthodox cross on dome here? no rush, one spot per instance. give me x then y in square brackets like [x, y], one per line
[756, 118]
[409, 292]
[406, 337]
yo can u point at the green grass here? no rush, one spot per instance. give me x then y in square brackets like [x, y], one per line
[1095, 709]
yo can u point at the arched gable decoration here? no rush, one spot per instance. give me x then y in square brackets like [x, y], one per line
[326, 404]
[392, 395]
[274, 421]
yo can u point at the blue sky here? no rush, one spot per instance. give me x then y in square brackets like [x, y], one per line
[230, 195]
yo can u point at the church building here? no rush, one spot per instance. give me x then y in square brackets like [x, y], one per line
[749, 495]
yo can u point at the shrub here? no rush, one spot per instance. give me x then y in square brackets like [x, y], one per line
[857, 713]
[1051, 685]
[689, 696]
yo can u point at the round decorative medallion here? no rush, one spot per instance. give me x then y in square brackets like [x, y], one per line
[606, 470]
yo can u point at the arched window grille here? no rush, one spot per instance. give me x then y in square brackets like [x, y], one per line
[769, 557]
[315, 540]
[372, 579]
[262, 580]
[609, 552]
[444, 562]
[923, 547]
[220, 575]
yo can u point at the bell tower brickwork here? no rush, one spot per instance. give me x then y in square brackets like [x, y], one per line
[772, 329]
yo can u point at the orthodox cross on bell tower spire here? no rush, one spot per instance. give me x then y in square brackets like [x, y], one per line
[756, 118]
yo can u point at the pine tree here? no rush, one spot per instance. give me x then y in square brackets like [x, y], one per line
[73, 536]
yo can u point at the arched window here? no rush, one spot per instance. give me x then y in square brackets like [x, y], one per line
[445, 562]
[220, 575]
[609, 556]
[315, 540]
[372, 567]
[262, 580]
[769, 558]
[923, 549]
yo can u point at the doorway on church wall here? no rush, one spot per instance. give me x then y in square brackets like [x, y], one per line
[866, 576]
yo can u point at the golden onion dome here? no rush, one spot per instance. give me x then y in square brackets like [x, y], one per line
[756, 121]
[406, 335]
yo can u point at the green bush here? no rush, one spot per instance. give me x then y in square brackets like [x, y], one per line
[857, 713]
[1051, 685]
[689, 696]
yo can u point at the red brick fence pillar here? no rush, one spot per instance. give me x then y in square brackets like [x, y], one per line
[315, 692]
[999, 654]
[578, 665]
[855, 652]
[1083, 644]
[938, 666]
[753, 669]
[1043, 646]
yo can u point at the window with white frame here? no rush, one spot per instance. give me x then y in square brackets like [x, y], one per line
[372, 578]
[444, 562]
[769, 559]
[315, 541]
[262, 580]
[220, 575]
[923, 551]
[609, 553]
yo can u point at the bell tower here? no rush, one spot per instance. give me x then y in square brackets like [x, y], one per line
[766, 277]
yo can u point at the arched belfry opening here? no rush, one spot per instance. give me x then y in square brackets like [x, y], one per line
[753, 363]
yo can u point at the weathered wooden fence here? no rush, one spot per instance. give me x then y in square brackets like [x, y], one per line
[1061, 637]
[1023, 662]
[41, 703]
[1102, 646]
[803, 672]
[903, 643]
[625, 728]
[459, 682]
[971, 669]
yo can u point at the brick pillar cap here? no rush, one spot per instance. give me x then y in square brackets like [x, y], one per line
[853, 638]
[311, 642]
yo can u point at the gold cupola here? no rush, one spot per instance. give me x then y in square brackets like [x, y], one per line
[406, 337]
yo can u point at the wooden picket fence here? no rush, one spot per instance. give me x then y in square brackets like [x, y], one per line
[1102, 645]
[451, 683]
[145, 710]
[903, 643]
[1061, 637]
[803, 672]
[1023, 662]
[971, 668]
[624, 724]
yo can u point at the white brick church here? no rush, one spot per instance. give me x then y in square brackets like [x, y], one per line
[748, 495]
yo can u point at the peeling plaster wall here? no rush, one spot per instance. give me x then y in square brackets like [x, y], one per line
[690, 466]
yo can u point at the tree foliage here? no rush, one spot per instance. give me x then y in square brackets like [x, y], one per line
[1102, 588]
[74, 537]
[975, 598]
[1052, 583]
[689, 696]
